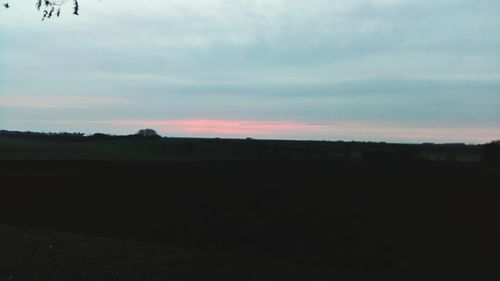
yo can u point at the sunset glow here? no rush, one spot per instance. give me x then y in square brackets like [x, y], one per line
[325, 131]
[223, 128]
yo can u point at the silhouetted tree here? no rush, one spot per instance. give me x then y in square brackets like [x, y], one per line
[147, 133]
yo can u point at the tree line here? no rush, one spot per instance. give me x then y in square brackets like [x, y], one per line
[141, 134]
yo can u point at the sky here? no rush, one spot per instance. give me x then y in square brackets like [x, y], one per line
[367, 70]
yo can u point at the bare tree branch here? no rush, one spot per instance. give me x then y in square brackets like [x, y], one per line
[49, 8]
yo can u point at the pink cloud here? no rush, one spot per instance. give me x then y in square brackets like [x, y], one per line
[236, 128]
[404, 132]
[348, 130]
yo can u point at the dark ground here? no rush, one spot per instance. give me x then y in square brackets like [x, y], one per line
[29, 254]
[325, 218]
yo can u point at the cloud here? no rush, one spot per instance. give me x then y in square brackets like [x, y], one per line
[223, 128]
[58, 102]
[319, 61]
[270, 129]
[347, 130]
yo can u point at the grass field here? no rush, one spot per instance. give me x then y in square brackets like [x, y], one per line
[245, 210]
[29, 254]
[182, 149]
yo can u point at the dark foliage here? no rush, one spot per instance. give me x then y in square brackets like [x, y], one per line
[50, 8]
[38, 135]
[65, 136]
[147, 133]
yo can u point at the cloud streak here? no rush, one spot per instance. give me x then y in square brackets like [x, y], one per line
[223, 128]
[348, 130]
[58, 102]
[284, 129]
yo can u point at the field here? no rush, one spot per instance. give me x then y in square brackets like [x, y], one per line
[306, 210]
[192, 149]
[32, 254]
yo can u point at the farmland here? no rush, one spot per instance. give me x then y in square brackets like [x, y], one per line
[380, 211]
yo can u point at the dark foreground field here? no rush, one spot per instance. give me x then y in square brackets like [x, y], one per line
[325, 219]
[29, 254]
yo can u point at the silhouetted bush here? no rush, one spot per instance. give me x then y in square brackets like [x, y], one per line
[99, 137]
[148, 133]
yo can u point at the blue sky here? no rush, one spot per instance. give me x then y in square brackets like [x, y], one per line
[381, 70]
